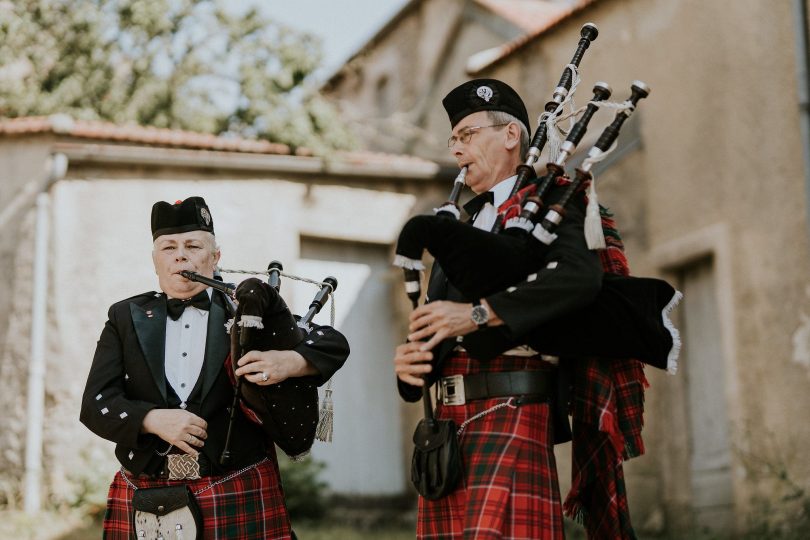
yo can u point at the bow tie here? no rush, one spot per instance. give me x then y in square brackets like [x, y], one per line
[475, 204]
[175, 306]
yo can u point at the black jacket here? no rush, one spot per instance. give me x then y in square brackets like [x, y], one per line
[570, 279]
[127, 379]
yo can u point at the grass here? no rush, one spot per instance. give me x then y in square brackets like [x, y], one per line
[71, 525]
[324, 531]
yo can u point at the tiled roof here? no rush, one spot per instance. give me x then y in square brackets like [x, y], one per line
[101, 134]
[86, 129]
[529, 15]
[536, 16]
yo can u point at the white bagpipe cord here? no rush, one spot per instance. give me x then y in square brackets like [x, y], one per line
[325, 427]
[323, 431]
[594, 235]
[556, 136]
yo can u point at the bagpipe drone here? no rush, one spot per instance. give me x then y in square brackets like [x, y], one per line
[287, 411]
[629, 316]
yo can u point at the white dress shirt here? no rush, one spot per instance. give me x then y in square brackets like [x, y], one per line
[485, 218]
[185, 350]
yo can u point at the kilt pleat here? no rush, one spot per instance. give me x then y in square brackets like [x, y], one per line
[509, 489]
[249, 506]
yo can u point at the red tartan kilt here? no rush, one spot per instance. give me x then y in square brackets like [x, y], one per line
[249, 506]
[510, 487]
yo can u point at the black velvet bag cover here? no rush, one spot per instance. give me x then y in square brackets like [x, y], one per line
[163, 512]
[628, 319]
[289, 409]
[436, 463]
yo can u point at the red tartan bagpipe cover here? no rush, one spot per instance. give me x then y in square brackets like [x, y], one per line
[287, 411]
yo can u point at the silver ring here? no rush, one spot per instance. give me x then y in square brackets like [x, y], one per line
[264, 377]
[190, 438]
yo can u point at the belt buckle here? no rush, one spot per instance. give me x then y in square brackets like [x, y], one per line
[452, 390]
[183, 467]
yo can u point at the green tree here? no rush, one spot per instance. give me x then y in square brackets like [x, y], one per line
[181, 64]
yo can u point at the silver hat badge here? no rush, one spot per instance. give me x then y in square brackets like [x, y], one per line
[484, 92]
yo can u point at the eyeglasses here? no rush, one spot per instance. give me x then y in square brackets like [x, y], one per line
[466, 134]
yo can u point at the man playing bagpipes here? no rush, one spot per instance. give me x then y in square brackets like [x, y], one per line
[160, 388]
[513, 407]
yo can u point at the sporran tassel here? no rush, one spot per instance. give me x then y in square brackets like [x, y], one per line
[323, 432]
[593, 220]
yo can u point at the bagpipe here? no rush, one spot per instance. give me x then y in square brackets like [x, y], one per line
[629, 316]
[287, 411]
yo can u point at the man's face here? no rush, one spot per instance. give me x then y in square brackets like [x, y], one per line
[487, 154]
[191, 251]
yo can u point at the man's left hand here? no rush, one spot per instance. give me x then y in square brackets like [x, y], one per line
[271, 367]
[440, 320]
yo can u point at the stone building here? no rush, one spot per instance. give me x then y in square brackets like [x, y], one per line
[75, 201]
[710, 189]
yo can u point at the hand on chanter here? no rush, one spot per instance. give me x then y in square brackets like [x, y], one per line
[411, 363]
[183, 429]
[438, 321]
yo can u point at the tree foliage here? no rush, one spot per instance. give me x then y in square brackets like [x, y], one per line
[181, 64]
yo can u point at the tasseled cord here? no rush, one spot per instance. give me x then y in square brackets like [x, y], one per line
[323, 432]
[326, 414]
[593, 220]
[594, 236]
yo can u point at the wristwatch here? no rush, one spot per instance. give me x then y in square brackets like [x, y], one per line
[480, 314]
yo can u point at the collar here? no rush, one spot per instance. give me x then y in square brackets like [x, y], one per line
[502, 190]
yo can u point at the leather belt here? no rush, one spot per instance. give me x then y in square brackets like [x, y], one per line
[459, 389]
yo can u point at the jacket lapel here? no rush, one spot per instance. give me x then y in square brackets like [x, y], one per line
[216, 344]
[149, 321]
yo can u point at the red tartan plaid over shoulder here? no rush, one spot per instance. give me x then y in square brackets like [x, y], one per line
[607, 408]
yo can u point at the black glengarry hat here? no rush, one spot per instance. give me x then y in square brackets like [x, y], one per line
[484, 95]
[191, 214]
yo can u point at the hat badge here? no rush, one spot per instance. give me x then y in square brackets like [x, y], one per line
[206, 216]
[484, 92]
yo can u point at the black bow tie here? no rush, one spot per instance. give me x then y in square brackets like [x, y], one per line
[175, 306]
[475, 204]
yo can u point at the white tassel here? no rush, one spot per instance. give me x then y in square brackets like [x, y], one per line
[449, 207]
[521, 223]
[594, 235]
[409, 264]
[323, 432]
[228, 326]
[251, 321]
[674, 353]
[543, 235]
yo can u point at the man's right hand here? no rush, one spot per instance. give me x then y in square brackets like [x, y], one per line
[410, 364]
[178, 427]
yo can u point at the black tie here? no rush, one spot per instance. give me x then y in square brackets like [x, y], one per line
[475, 204]
[175, 306]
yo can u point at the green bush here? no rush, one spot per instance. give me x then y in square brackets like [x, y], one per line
[304, 491]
